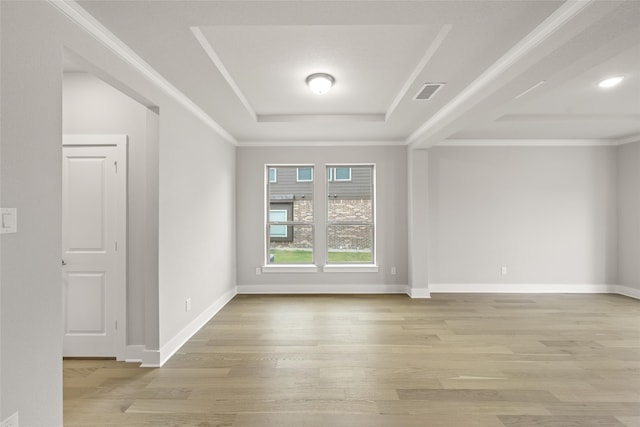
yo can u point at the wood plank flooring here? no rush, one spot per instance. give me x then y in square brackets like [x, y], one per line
[456, 360]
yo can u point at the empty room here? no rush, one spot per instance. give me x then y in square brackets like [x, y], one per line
[320, 213]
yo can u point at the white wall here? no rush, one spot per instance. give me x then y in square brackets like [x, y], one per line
[391, 204]
[629, 215]
[31, 182]
[197, 220]
[33, 36]
[546, 213]
[91, 106]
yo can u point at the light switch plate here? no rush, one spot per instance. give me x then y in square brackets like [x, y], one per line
[8, 220]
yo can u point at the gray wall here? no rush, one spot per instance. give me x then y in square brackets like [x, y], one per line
[629, 215]
[196, 236]
[391, 202]
[546, 213]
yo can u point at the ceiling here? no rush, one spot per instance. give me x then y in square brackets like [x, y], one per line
[242, 65]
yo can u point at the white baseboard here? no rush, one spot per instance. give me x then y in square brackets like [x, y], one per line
[419, 292]
[133, 353]
[628, 292]
[188, 331]
[322, 289]
[526, 288]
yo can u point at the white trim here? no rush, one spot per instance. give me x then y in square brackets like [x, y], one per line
[211, 53]
[289, 268]
[320, 118]
[628, 139]
[527, 288]
[121, 144]
[531, 89]
[92, 140]
[91, 25]
[133, 353]
[418, 292]
[174, 344]
[350, 268]
[627, 291]
[560, 17]
[393, 143]
[322, 289]
[525, 143]
[428, 54]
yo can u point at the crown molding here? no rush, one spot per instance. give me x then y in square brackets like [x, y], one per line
[319, 118]
[565, 117]
[628, 139]
[526, 143]
[392, 143]
[560, 17]
[92, 26]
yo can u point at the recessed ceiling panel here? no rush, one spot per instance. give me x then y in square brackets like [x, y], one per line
[269, 64]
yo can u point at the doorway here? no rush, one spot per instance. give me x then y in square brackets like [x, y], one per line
[94, 245]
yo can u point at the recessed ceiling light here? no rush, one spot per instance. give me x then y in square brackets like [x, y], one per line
[320, 83]
[610, 82]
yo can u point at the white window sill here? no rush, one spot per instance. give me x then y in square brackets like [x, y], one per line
[290, 268]
[348, 268]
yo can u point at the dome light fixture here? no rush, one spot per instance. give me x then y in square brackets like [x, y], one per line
[610, 82]
[320, 83]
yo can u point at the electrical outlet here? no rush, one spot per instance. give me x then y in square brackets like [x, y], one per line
[187, 304]
[12, 421]
[393, 271]
[503, 271]
[258, 271]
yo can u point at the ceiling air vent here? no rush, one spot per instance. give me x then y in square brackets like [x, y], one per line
[428, 90]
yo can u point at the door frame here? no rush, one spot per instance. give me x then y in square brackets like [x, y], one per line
[120, 142]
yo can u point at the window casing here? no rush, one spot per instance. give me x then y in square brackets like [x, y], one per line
[350, 213]
[289, 233]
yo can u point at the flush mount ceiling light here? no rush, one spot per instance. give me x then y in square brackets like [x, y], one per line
[610, 82]
[320, 83]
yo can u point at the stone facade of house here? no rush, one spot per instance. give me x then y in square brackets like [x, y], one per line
[347, 238]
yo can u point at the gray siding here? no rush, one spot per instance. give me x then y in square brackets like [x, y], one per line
[286, 184]
[358, 188]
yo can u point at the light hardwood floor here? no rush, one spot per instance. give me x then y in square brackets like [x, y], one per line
[453, 361]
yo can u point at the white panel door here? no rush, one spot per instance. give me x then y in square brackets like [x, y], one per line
[94, 246]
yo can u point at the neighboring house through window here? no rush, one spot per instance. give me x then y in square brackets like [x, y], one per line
[290, 219]
[350, 214]
[339, 174]
[349, 208]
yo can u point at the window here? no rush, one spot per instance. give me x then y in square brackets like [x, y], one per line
[304, 174]
[350, 214]
[277, 215]
[339, 174]
[290, 218]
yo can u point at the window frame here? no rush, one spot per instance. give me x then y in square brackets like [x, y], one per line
[290, 223]
[351, 266]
